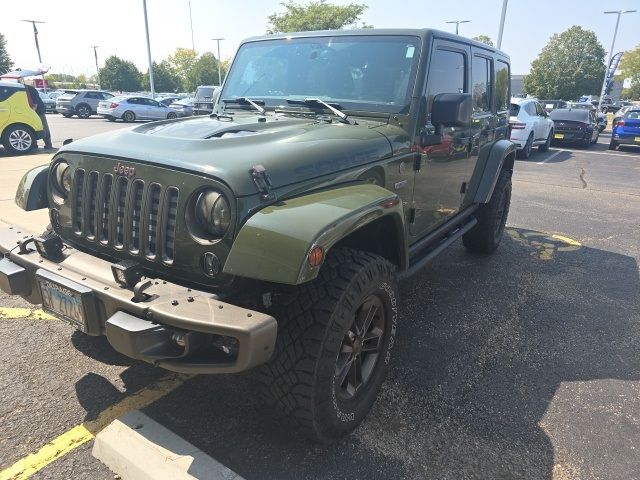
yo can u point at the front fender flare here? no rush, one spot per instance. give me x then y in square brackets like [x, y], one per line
[32, 189]
[274, 243]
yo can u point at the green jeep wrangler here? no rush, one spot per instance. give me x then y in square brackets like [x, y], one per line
[272, 232]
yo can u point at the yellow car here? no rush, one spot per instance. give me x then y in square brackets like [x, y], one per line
[20, 125]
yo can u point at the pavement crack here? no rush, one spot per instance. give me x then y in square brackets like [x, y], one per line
[584, 183]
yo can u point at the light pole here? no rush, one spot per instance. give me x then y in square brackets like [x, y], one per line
[146, 28]
[35, 37]
[613, 42]
[458, 22]
[95, 54]
[193, 45]
[219, 60]
[502, 17]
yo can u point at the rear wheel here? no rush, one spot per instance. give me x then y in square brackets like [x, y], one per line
[613, 145]
[525, 152]
[83, 110]
[111, 119]
[492, 217]
[545, 146]
[335, 336]
[129, 116]
[19, 139]
[67, 115]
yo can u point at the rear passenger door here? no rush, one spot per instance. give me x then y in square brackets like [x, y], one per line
[483, 120]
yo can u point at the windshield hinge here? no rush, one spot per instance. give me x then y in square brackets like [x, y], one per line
[412, 215]
[263, 182]
[417, 162]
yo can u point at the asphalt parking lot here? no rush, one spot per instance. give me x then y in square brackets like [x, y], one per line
[524, 364]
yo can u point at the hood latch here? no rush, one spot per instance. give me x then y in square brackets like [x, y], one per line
[263, 182]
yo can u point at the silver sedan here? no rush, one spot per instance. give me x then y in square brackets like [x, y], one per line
[133, 107]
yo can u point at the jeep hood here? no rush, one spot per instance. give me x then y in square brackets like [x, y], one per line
[292, 150]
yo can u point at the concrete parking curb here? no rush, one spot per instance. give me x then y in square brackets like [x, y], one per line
[137, 447]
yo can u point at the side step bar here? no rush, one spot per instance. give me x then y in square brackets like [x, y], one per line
[433, 250]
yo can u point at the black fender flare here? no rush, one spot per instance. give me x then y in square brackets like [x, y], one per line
[492, 158]
[32, 189]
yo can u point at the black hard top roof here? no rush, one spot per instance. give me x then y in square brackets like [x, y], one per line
[423, 33]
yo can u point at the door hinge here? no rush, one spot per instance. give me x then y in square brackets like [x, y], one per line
[463, 187]
[412, 215]
[263, 182]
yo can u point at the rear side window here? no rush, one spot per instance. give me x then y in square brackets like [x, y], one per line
[502, 86]
[481, 78]
[6, 92]
[514, 110]
[447, 72]
[632, 115]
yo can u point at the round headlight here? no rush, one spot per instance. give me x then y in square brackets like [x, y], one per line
[62, 178]
[213, 212]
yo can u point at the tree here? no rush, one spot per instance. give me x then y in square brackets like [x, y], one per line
[316, 15]
[571, 64]
[484, 39]
[165, 79]
[118, 74]
[5, 60]
[182, 62]
[630, 70]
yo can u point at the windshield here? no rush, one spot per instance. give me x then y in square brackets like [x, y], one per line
[373, 73]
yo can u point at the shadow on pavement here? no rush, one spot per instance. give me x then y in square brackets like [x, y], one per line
[486, 346]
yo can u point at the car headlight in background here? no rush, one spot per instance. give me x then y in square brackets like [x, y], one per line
[213, 212]
[62, 178]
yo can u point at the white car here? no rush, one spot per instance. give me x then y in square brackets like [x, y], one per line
[134, 107]
[530, 125]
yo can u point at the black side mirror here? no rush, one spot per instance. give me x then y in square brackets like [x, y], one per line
[451, 110]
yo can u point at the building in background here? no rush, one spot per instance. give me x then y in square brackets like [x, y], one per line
[517, 86]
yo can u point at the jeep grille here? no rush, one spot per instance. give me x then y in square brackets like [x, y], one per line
[126, 214]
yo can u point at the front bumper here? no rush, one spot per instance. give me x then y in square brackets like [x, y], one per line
[174, 327]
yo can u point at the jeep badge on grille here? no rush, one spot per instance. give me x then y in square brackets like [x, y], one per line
[125, 170]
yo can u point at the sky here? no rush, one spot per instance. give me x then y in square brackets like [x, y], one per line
[117, 26]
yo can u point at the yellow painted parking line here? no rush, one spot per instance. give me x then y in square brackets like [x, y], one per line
[26, 313]
[80, 434]
[567, 240]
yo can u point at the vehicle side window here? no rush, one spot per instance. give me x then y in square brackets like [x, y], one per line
[481, 78]
[539, 110]
[447, 73]
[133, 101]
[152, 103]
[6, 92]
[106, 95]
[93, 95]
[502, 85]
[530, 109]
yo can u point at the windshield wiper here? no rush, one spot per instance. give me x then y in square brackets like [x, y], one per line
[245, 101]
[341, 115]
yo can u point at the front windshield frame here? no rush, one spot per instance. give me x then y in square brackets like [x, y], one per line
[413, 43]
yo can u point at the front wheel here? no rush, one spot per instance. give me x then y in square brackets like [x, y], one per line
[492, 217]
[335, 337]
[19, 140]
[171, 115]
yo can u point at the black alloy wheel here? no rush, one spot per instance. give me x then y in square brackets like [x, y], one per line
[360, 349]
[83, 111]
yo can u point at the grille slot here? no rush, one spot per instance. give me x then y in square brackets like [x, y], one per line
[79, 202]
[152, 212]
[135, 227]
[120, 211]
[105, 207]
[170, 219]
[92, 193]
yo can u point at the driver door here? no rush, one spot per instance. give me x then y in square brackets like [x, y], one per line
[437, 191]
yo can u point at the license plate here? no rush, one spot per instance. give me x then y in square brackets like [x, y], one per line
[64, 299]
[558, 135]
